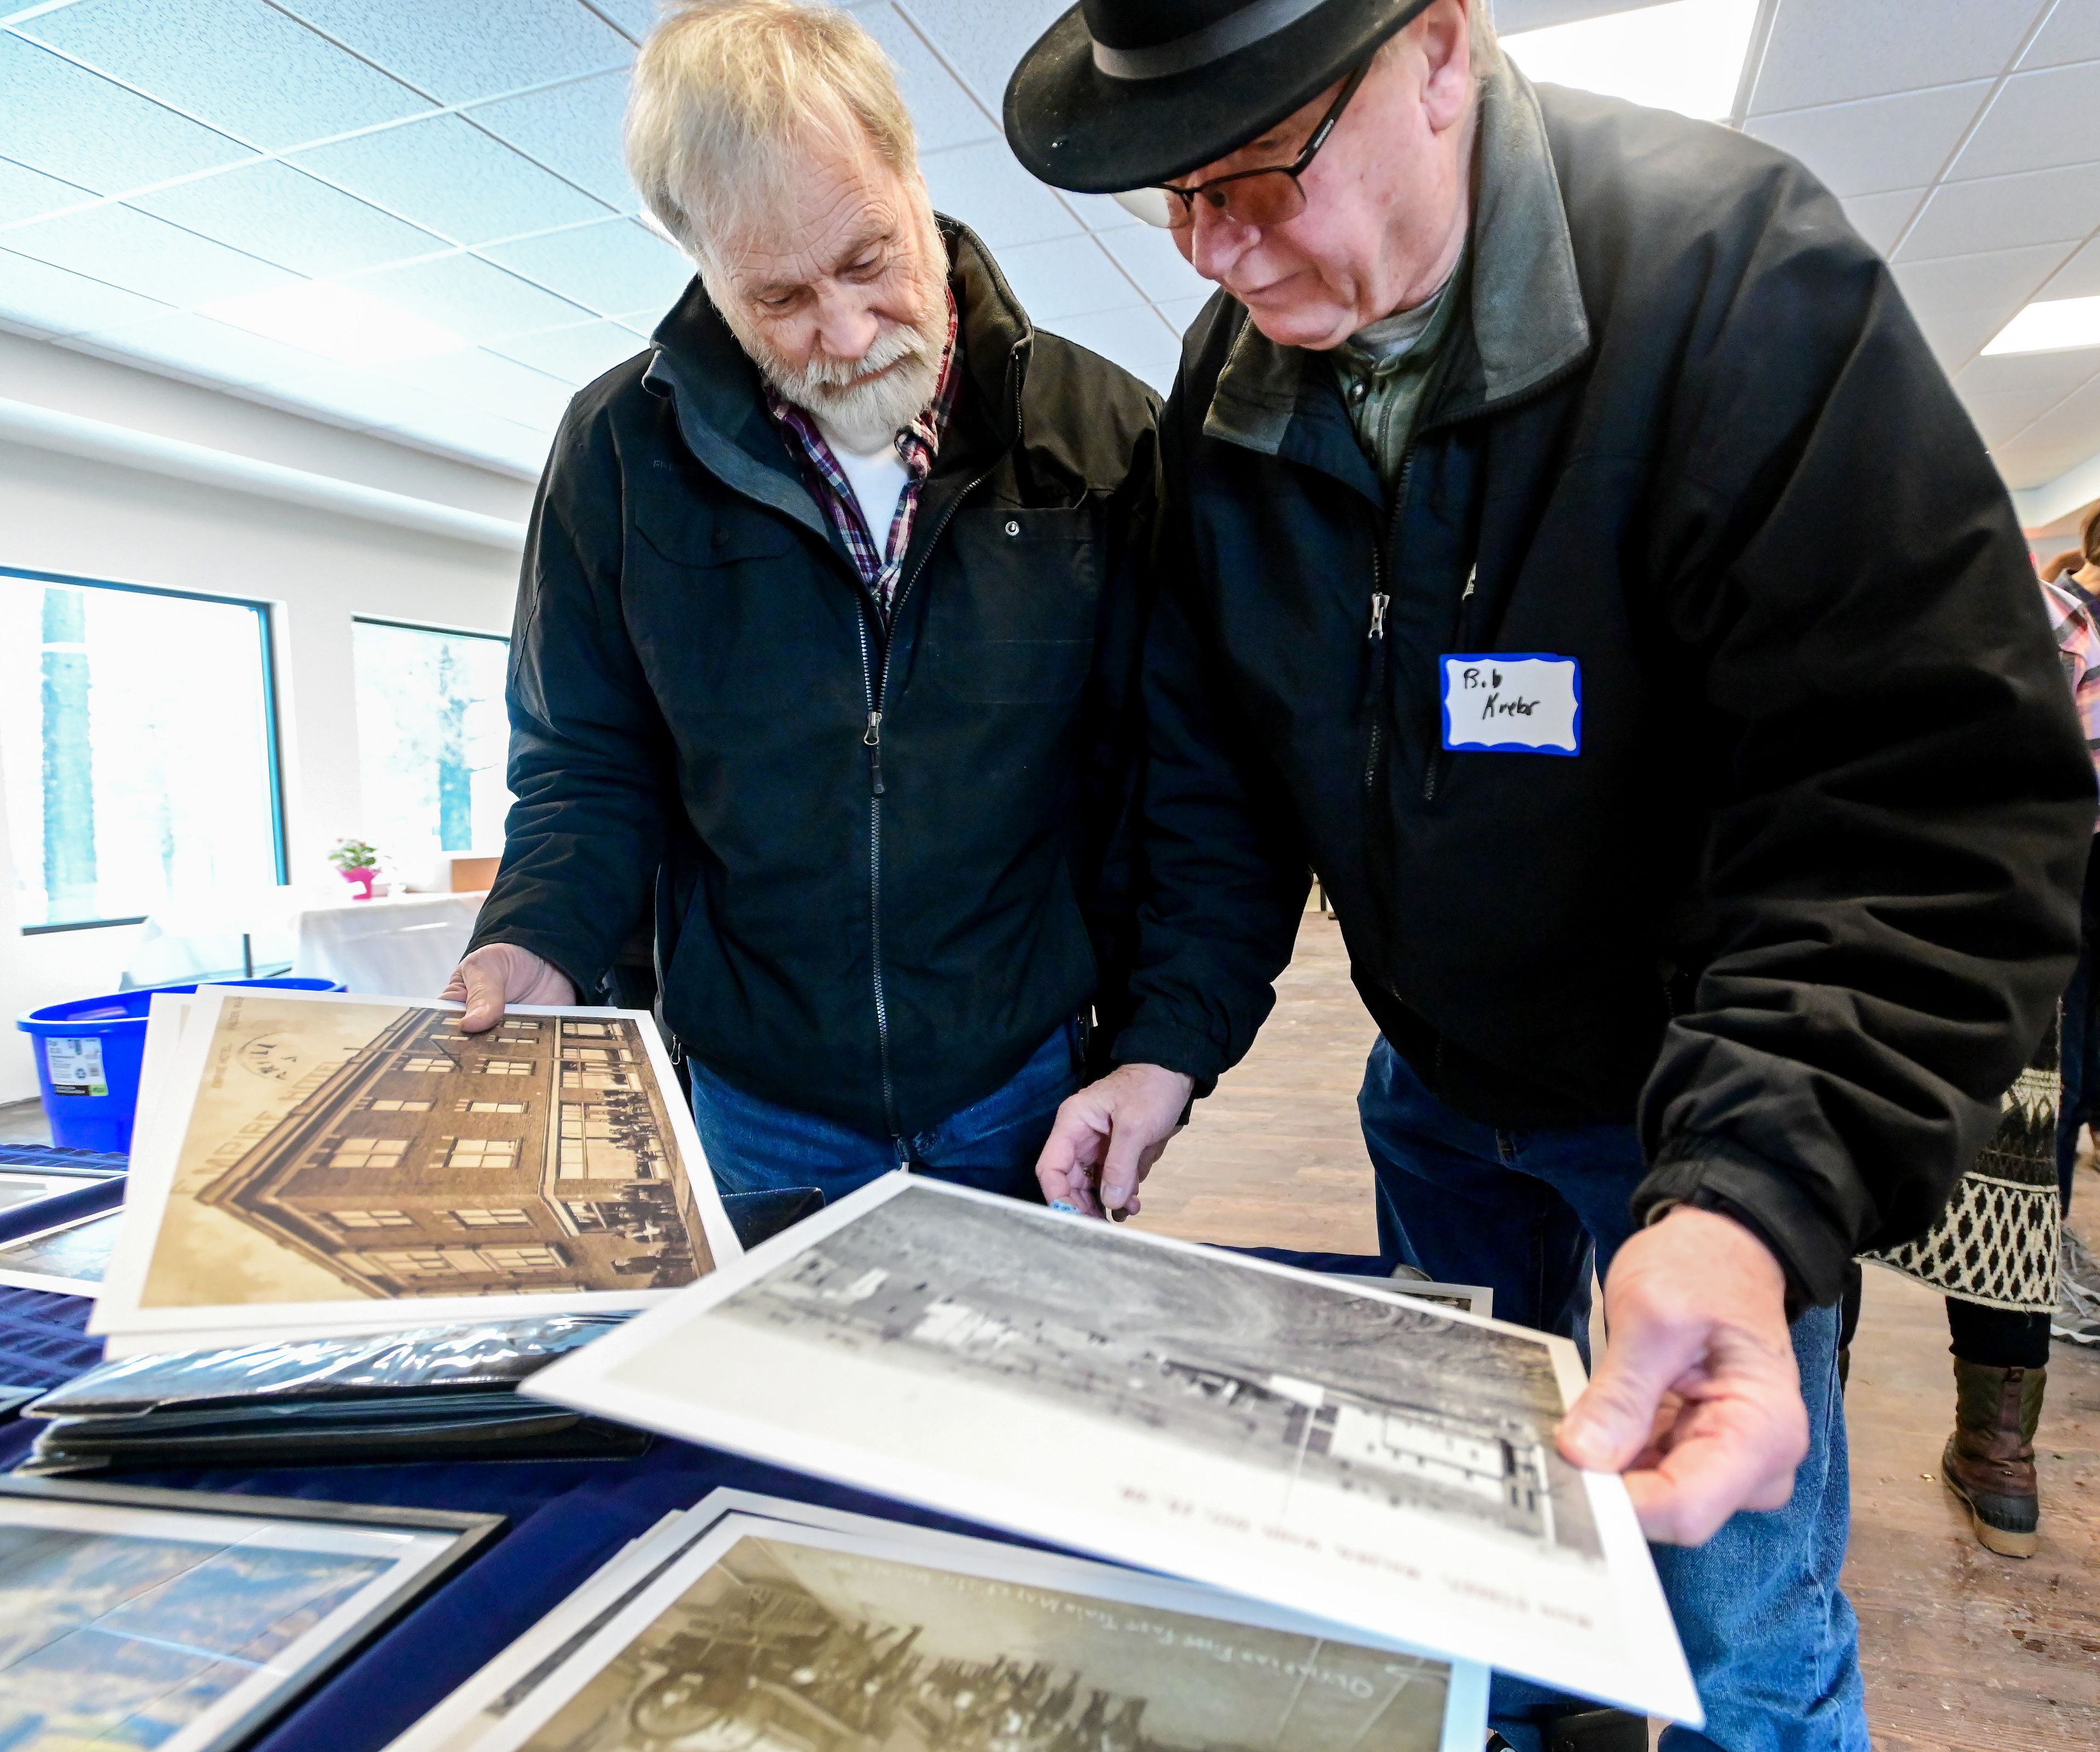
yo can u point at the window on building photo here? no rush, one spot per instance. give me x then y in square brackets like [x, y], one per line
[523, 1259]
[368, 1153]
[507, 1067]
[431, 736]
[433, 1067]
[487, 1107]
[419, 1262]
[397, 1107]
[372, 1219]
[138, 748]
[501, 1217]
[482, 1153]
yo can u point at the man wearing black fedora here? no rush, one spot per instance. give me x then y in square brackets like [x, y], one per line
[1574, 553]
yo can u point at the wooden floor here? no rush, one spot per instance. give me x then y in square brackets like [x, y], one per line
[1962, 1649]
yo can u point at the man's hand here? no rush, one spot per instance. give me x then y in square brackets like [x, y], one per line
[499, 974]
[1697, 1399]
[1109, 1135]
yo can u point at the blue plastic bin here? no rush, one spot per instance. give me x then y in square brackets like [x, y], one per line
[88, 1053]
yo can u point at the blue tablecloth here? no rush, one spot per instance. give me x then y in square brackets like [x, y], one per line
[563, 1519]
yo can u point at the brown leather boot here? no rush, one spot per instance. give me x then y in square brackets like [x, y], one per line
[1989, 1461]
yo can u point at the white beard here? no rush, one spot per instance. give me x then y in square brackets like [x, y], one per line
[867, 415]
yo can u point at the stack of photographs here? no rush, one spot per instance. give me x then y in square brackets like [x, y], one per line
[182, 1621]
[752, 1622]
[57, 1226]
[309, 1163]
[1333, 1447]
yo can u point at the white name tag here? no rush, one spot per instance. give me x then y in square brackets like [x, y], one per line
[1520, 702]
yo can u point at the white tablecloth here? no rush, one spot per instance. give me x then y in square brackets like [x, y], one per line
[404, 945]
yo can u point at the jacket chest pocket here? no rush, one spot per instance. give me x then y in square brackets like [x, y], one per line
[728, 611]
[1012, 616]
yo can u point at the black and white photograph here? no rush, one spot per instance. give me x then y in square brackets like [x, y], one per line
[466, 1719]
[69, 1258]
[776, 1635]
[312, 1154]
[1329, 1446]
[181, 1622]
[21, 1188]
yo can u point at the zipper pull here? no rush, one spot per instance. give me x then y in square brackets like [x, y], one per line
[1380, 598]
[1472, 578]
[871, 738]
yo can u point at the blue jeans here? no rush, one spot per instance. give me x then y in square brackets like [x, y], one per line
[754, 1145]
[1771, 1640]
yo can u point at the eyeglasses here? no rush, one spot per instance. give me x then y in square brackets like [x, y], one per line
[1270, 196]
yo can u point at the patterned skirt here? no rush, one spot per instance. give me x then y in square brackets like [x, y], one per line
[1996, 1243]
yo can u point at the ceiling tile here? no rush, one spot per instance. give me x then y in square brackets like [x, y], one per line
[242, 66]
[144, 254]
[2002, 418]
[984, 42]
[2072, 34]
[271, 210]
[481, 380]
[1180, 313]
[637, 18]
[2041, 379]
[573, 130]
[2007, 213]
[2078, 278]
[1879, 143]
[459, 52]
[469, 296]
[354, 396]
[479, 437]
[575, 355]
[2000, 280]
[988, 192]
[1101, 213]
[608, 267]
[24, 193]
[184, 342]
[1148, 255]
[450, 177]
[46, 297]
[1880, 219]
[2060, 441]
[68, 122]
[1064, 278]
[1823, 53]
[1135, 339]
[944, 113]
[2035, 122]
[1956, 336]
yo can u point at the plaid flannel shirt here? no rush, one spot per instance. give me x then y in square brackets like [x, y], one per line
[917, 445]
[2072, 618]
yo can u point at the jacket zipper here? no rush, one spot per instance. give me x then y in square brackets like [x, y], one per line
[875, 691]
[1382, 600]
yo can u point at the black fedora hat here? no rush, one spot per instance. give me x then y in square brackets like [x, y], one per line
[1124, 93]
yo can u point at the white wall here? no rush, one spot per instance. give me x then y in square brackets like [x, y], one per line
[94, 520]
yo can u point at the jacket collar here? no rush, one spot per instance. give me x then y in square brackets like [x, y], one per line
[1526, 324]
[719, 400]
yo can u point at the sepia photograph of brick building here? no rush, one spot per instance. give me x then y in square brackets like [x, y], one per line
[537, 1156]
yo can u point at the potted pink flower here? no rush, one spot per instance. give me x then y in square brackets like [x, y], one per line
[358, 864]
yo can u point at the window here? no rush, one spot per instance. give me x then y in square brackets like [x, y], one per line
[435, 1067]
[507, 1067]
[585, 1030]
[398, 1107]
[431, 736]
[502, 1217]
[482, 1153]
[138, 748]
[419, 1262]
[489, 1107]
[523, 1259]
[368, 1153]
[372, 1219]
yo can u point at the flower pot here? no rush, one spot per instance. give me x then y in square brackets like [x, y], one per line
[361, 879]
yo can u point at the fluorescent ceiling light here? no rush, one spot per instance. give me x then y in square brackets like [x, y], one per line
[338, 322]
[2058, 326]
[1686, 55]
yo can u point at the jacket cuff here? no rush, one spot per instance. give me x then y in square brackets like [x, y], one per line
[1183, 1049]
[557, 954]
[1766, 1198]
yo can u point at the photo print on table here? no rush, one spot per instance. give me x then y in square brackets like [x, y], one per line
[68, 1260]
[1323, 1444]
[770, 1637]
[182, 1621]
[313, 1155]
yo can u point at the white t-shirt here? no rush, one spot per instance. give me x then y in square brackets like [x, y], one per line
[878, 478]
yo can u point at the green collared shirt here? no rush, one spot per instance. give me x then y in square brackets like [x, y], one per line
[1384, 371]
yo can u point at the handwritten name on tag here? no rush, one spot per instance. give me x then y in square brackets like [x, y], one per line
[1513, 703]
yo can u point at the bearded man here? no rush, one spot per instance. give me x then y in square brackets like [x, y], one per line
[825, 648]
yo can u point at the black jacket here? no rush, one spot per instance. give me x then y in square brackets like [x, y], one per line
[1805, 898]
[876, 926]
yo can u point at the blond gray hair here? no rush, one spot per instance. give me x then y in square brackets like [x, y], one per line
[730, 96]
